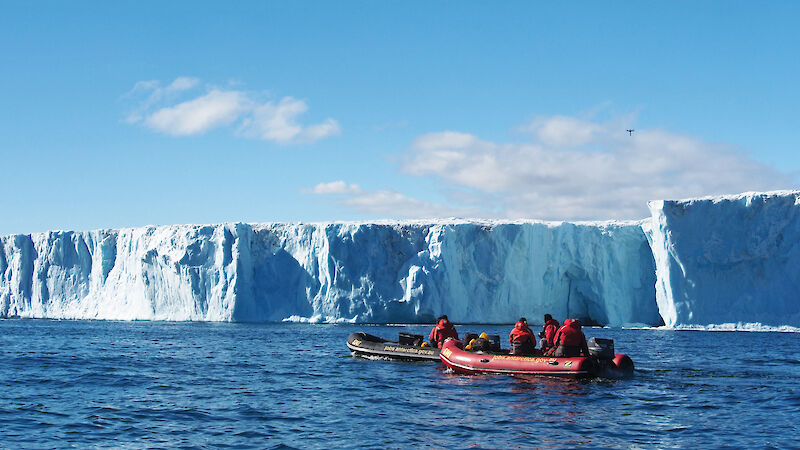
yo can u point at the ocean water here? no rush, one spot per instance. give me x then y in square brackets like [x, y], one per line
[193, 385]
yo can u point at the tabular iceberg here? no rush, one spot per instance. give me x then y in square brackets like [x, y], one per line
[701, 261]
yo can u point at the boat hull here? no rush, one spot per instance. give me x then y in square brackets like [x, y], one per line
[369, 346]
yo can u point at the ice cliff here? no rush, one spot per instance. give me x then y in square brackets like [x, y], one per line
[728, 259]
[702, 261]
[370, 272]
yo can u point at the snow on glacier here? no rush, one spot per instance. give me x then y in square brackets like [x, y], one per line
[728, 259]
[482, 272]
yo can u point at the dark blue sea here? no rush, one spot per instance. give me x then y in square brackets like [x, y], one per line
[194, 385]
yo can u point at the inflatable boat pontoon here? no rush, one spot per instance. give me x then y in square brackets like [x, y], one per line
[407, 347]
[462, 361]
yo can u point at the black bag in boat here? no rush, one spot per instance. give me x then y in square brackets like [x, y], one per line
[482, 345]
[491, 343]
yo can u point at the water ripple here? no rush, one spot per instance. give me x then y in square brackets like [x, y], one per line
[166, 385]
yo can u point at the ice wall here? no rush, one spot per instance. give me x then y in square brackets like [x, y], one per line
[728, 259]
[718, 260]
[392, 272]
[152, 273]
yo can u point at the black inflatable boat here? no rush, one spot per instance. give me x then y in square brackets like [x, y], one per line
[407, 347]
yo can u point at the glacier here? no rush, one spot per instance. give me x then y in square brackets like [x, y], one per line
[715, 260]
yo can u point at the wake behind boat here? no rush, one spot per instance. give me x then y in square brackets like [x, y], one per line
[407, 347]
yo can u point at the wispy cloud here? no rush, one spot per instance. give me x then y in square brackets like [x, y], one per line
[278, 122]
[335, 188]
[146, 94]
[563, 131]
[387, 202]
[167, 110]
[569, 169]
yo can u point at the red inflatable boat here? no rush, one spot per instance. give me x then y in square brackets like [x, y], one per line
[462, 361]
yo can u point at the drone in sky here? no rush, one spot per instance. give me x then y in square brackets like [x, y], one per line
[630, 132]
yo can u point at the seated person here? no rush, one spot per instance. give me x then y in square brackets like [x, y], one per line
[569, 341]
[521, 339]
[548, 333]
[441, 331]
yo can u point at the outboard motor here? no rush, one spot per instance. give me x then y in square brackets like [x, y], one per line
[495, 342]
[601, 348]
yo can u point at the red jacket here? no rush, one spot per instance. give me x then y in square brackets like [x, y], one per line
[557, 337]
[570, 335]
[550, 329]
[520, 334]
[443, 330]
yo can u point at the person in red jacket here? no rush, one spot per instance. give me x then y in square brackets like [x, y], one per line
[548, 334]
[570, 340]
[557, 337]
[441, 331]
[521, 338]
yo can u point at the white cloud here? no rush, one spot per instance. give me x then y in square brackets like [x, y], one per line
[577, 169]
[197, 116]
[570, 169]
[181, 84]
[278, 122]
[559, 131]
[335, 187]
[329, 127]
[157, 108]
[452, 140]
[146, 85]
[387, 202]
[147, 94]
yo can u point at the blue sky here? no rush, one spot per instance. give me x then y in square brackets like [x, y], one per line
[121, 114]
